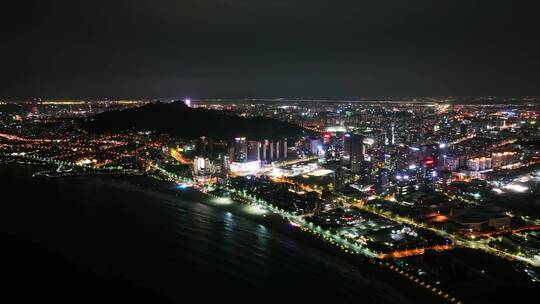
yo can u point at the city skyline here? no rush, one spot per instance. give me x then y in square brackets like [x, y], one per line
[442, 197]
[373, 151]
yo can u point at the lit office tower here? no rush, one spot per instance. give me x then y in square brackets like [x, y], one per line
[278, 149]
[285, 148]
[253, 150]
[346, 155]
[441, 154]
[428, 173]
[354, 150]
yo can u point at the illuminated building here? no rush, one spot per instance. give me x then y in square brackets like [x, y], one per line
[238, 152]
[479, 164]
[251, 167]
[404, 184]
[502, 159]
[479, 219]
[252, 150]
[429, 173]
[497, 160]
[273, 150]
[202, 166]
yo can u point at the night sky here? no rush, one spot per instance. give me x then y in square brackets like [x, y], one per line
[271, 48]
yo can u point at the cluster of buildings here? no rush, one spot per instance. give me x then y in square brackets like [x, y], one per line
[241, 155]
[495, 161]
[267, 150]
[360, 168]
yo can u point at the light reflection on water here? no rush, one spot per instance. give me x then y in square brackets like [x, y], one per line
[107, 228]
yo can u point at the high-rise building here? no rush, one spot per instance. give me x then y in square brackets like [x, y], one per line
[271, 154]
[405, 184]
[225, 164]
[502, 159]
[202, 166]
[253, 150]
[353, 151]
[269, 150]
[382, 180]
[264, 150]
[390, 135]
[429, 174]
[239, 150]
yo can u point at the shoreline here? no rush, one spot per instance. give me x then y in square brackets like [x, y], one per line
[274, 222]
[380, 276]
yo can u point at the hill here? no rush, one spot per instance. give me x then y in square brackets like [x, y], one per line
[176, 119]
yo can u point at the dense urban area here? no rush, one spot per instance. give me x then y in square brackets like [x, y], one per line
[443, 192]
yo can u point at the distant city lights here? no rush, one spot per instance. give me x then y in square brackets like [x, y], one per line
[516, 187]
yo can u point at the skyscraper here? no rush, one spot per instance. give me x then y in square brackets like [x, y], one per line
[239, 151]
[390, 135]
[353, 151]
[253, 150]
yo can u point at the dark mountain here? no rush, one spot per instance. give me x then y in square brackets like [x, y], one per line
[176, 119]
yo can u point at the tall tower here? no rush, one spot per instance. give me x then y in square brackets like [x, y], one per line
[390, 135]
[272, 150]
[240, 149]
[254, 148]
[353, 151]
[264, 152]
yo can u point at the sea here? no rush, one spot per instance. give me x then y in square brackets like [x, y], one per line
[96, 239]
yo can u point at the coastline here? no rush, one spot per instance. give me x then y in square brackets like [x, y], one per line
[381, 278]
[167, 192]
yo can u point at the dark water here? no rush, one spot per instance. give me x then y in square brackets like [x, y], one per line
[83, 239]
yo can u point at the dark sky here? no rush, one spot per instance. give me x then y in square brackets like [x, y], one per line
[268, 48]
